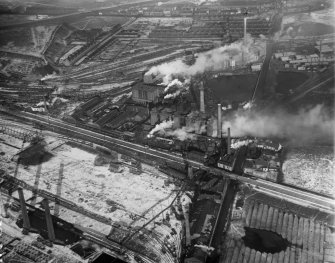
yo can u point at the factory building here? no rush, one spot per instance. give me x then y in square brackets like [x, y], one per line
[144, 93]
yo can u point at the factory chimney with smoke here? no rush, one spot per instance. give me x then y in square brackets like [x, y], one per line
[219, 129]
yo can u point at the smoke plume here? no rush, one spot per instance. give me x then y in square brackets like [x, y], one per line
[165, 128]
[176, 88]
[181, 134]
[161, 127]
[215, 59]
[307, 125]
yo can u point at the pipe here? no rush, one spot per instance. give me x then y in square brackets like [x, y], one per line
[219, 129]
[26, 223]
[202, 98]
[228, 142]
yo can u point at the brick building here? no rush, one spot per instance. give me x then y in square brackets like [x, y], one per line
[144, 93]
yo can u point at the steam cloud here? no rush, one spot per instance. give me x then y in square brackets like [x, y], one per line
[215, 59]
[165, 128]
[308, 125]
[175, 88]
[161, 127]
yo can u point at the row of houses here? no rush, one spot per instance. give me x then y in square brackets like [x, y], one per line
[303, 62]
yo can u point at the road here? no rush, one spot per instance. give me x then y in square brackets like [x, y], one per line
[298, 196]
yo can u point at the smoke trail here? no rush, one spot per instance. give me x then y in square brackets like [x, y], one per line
[176, 88]
[175, 82]
[161, 127]
[307, 125]
[215, 59]
[165, 128]
[181, 134]
[49, 76]
[172, 95]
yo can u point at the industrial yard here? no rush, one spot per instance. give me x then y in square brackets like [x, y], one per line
[175, 131]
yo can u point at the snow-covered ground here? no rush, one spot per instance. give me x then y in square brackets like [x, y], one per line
[311, 168]
[94, 187]
[125, 198]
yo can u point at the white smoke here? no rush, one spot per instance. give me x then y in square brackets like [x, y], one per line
[177, 87]
[175, 82]
[172, 95]
[215, 59]
[286, 20]
[161, 127]
[165, 128]
[184, 133]
[181, 134]
[49, 76]
[248, 105]
[307, 125]
[239, 143]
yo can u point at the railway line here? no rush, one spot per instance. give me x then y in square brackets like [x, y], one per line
[93, 235]
[89, 74]
[96, 236]
[322, 203]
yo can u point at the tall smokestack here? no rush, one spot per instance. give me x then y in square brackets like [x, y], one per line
[48, 218]
[245, 29]
[202, 97]
[228, 142]
[26, 223]
[219, 121]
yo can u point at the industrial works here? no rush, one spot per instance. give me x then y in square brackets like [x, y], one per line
[145, 131]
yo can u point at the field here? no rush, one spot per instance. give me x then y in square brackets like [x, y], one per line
[289, 80]
[98, 22]
[30, 41]
[310, 29]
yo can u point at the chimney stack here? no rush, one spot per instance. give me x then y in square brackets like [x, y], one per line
[26, 223]
[202, 97]
[219, 133]
[245, 29]
[48, 218]
[228, 142]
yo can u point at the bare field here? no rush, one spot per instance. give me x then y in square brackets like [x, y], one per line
[30, 41]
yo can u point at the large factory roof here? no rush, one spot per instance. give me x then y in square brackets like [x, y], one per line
[149, 86]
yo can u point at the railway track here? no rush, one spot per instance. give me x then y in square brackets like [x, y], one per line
[96, 236]
[300, 196]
